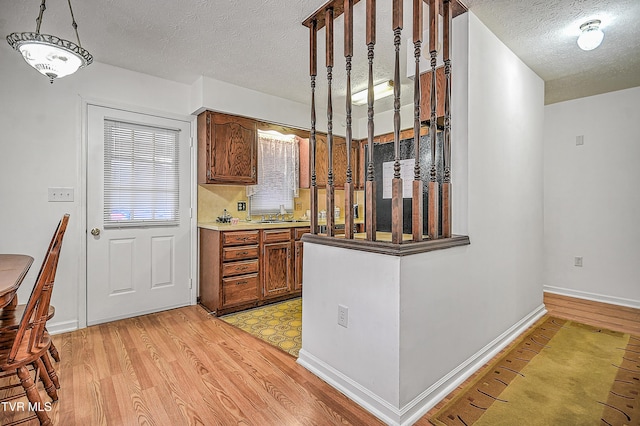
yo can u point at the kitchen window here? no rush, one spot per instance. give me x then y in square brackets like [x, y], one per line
[278, 169]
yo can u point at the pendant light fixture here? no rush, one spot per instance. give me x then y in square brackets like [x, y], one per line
[591, 35]
[50, 55]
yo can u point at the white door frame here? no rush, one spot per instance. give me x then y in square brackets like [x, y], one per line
[83, 149]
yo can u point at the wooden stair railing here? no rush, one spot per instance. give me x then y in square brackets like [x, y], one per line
[418, 187]
[348, 53]
[446, 184]
[439, 196]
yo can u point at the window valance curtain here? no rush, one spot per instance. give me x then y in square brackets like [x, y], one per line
[278, 172]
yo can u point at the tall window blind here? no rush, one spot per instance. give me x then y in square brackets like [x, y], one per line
[278, 170]
[141, 175]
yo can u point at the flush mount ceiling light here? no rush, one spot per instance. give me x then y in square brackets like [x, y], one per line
[380, 90]
[591, 36]
[51, 56]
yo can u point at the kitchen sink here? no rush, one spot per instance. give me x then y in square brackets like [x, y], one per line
[278, 221]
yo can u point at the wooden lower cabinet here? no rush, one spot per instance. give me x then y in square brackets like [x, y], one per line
[297, 257]
[244, 269]
[277, 269]
[239, 290]
[297, 280]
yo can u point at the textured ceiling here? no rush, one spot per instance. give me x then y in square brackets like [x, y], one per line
[543, 34]
[261, 44]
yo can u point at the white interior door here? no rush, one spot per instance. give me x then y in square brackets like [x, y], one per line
[138, 208]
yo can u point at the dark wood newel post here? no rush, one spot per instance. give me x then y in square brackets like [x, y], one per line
[417, 190]
[329, 59]
[446, 185]
[313, 71]
[396, 183]
[348, 53]
[434, 211]
[370, 186]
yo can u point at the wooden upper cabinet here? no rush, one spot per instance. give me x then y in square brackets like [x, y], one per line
[425, 94]
[321, 160]
[227, 149]
[339, 162]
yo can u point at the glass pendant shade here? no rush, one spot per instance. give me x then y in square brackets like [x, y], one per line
[50, 55]
[591, 36]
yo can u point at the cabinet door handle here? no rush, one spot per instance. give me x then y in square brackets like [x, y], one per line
[241, 282]
[242, 268]
[243, 253]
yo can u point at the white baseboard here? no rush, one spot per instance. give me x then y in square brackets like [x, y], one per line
[61, 327]
[620, 301]
[420, 405]
[352, 389]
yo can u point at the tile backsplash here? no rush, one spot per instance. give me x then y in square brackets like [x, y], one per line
[213, 199]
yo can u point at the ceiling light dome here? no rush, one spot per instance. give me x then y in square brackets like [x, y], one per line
[50, 55]
[591, 36]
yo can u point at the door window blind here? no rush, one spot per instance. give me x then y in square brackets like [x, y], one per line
[141, 175]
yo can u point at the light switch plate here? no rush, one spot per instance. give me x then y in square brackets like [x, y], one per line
[61, 194]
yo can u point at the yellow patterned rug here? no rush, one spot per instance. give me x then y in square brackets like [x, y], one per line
[561, 373]
[279, 324]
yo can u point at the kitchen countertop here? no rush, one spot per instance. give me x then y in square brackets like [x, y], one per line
[246, 226]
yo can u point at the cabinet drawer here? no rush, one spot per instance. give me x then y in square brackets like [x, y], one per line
[239, 253]
[238, 290]
[298, 232]
[236, 268]
[275, 235]
[240, 237]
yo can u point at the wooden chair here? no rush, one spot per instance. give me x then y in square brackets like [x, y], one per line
[31, 341]
[10, 315]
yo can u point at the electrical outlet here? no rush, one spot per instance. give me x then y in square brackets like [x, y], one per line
[298, 205]
[242, 206]
[577, 261]
[343, 316]
[61, 194]
[579, 140]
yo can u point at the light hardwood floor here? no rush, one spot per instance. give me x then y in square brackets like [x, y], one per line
[184, 367]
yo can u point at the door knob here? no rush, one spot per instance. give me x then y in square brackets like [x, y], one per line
[95, 232]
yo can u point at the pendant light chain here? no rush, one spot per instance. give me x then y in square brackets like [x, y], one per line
[73, 22]
[39, 19]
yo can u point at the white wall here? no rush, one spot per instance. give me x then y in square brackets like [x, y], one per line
[217, 95]
[482, 290]
[41, 147]
[591, 200]
[456, 306]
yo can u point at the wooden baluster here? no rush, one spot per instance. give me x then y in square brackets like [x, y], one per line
[446, 185]
[396, 183]
[370, 186]
[348, 53]
[433, 223]
[329, 61]
[417, 196]
[313, 192]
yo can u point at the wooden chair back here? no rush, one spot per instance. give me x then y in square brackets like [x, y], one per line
[37, 308]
